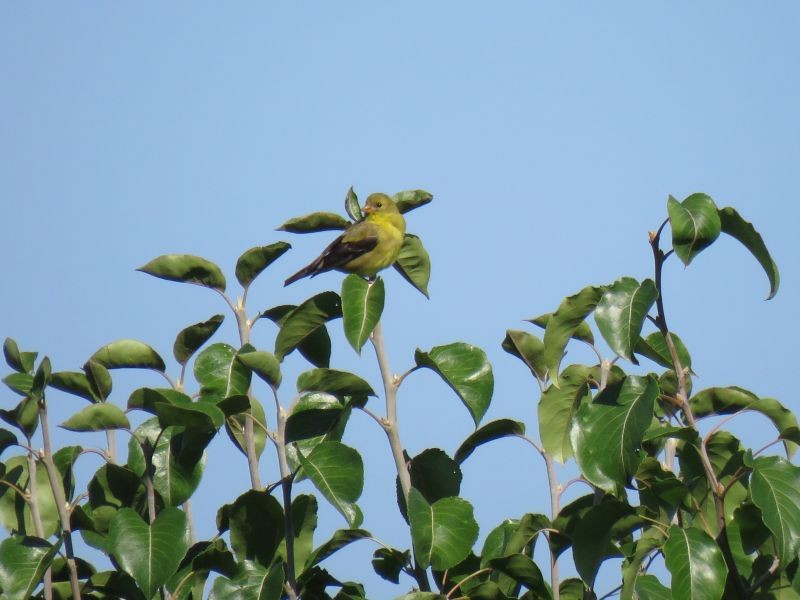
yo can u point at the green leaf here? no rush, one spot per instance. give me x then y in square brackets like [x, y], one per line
[113, 487]
[729, 400]
[253, 582]
[303, 325]
[235, 426]
[15, 513]
[186, 268]
[340, 539]
[99, 379]
[191, 338]
[411, 199]
[414, 263]
[304, 523]
[521, 568]
[40, 379]
[263, 364]
[7, 439]
[466, 370]
[513, 536]
[529, 349]
[775, 486]
[573, 589]
[735, 226]
[338, 383]
[23, 561]
[146, 398]
[255, 260]
[75, 383]
[178, 459]
[621, 312]
[557, 408]
[583, 333]
[435, 475]
[149, 553]
[389, 563]
[352, 207]
[114, 584]
[695, 225]
[314, 347]
[318, 221]
[202, 416]
[313, 415]
[20, 383]
[565, 323]
[592, 541]
[607, 433]
[338, 472]
[362, 306]
[654, 347]
[130, 354]
[493, 430]
[696, 564]
[219, 373]
[24, 416]
[255, 520]
[22, 362]
[442, 533]
[97, 417]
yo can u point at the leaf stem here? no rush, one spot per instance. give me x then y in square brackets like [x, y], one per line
[33, 504]
[286, 486]
[469, 577]
[60, 500]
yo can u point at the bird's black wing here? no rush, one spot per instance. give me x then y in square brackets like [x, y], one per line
[338, 253]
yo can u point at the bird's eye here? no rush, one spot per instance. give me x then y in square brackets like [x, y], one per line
[379, 204]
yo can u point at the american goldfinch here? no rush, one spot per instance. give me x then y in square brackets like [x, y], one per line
[365, 247]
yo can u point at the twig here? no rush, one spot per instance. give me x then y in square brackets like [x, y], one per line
[286, 486]
[33, 504]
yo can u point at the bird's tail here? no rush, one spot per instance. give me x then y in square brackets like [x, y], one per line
[312, 269]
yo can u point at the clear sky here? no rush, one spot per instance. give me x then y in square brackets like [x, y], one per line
[550, 134]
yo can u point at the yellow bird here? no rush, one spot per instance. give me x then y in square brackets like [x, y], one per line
[366, 247]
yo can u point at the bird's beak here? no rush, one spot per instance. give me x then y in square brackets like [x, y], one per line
[367, 209]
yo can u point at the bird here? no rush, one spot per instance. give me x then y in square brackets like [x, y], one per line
[366, 247]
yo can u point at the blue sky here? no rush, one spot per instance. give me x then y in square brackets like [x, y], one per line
[550, 134]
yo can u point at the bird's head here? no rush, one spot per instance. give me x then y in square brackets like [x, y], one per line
[380, 203]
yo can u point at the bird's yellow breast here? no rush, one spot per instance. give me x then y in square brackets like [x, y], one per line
[390, 229]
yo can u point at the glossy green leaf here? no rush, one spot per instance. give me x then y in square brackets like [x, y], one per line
[303, 324]
[219, 373]
[522, 569]
[264, 364]
[414, 263]
[235, 426]
[189, 580]
[695, 225]
[654, 347]
[390, 562]
[337, 471]
[513, 536]
[573, 589]
[40, 379]
[352, 207]
[648, 587]
[146, 398]
[583, 333]
[435, 475]
[775, 486]
[191, 338]
[318, 221]
[362, 306]
[529, 349]
[565, 323]
[557, 408]
[15, 513]
[24, 416]
[253, 582]
[314, 346]
[607, 433]
[149, 553]
[592, 542]
[304, 524]
[466, 370]
[22, 362]
[130, 354]
[735, 226]
[97, 417]
[23, 561]
[338, 383]
[729, 400]
[493, 430]
[696, 564]
[75, 383]
[114, 584]
[411, 199]
[20, 383]
[661, 493]
[187, 269]
[621, 313]
[251, 264]
[99, 379]
[178, 459]
[113, 487]
[443, 532]
[202, 416]
[651, 540]
[256, 523]
[314, 414]
[340, 539]
[7, 439]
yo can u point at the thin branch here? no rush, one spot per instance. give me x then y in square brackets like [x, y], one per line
[375, 417]
[286, 485]
[777, 440]
[469, 577]
[555, 508]
[400, 378]
[538, 448]
[719, 425]
[573, 481]
[33, 504]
